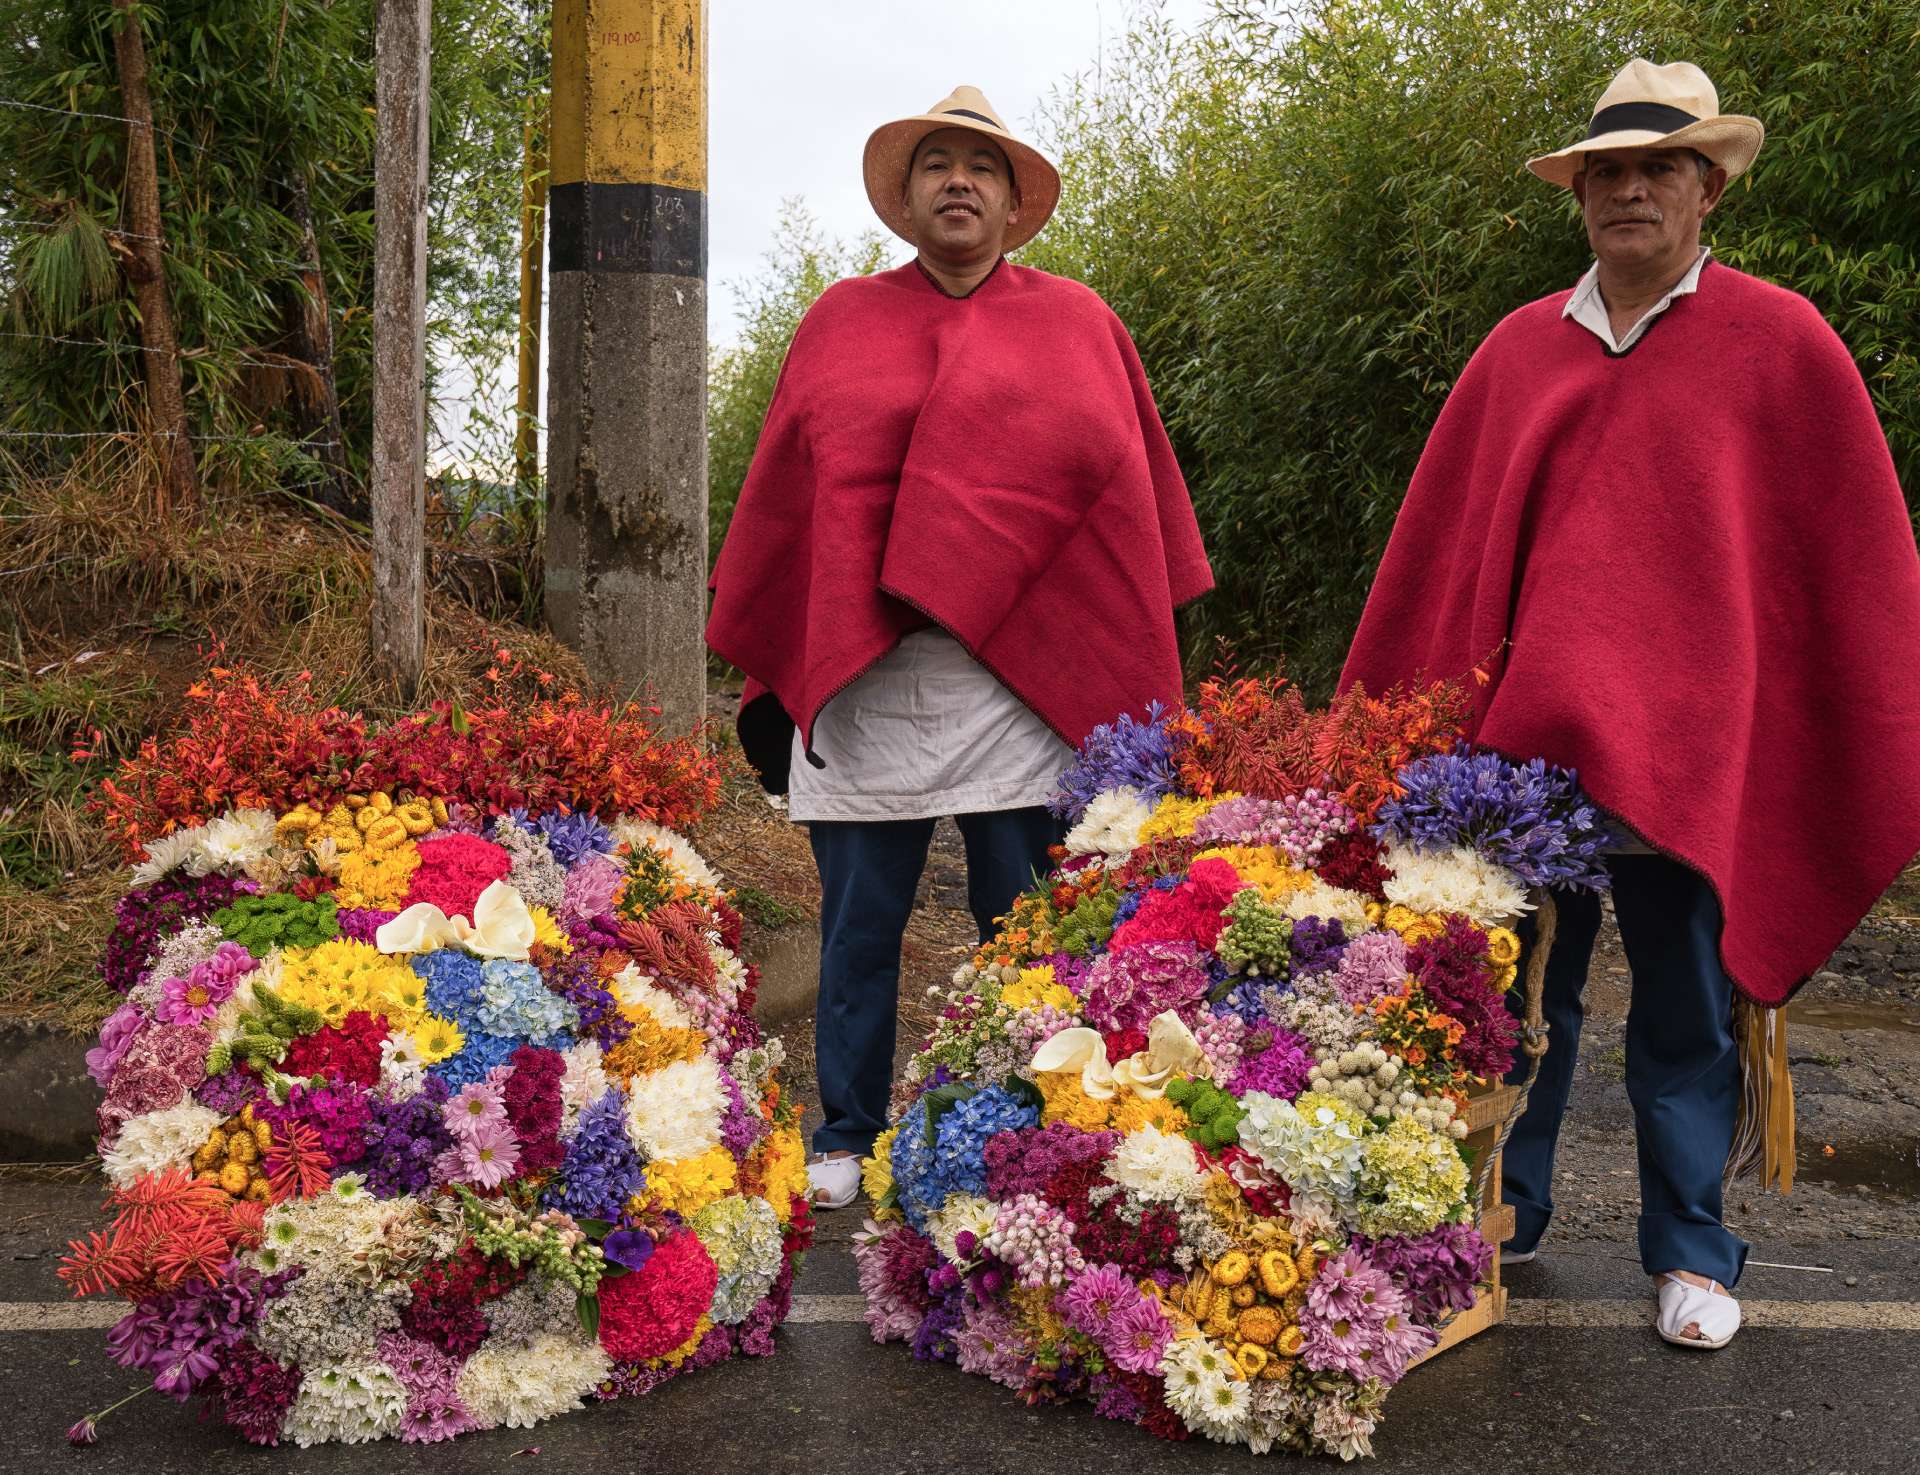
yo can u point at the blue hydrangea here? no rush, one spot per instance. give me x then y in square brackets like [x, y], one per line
[480, 1054]
[960, 1142]
[602, 1168]
[515, 1001]
[913, 1171]
[1120, 754]
[1530, 818]
[453, 984]
[573, 837]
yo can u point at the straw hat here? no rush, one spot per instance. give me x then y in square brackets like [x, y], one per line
[890, 154]
[1650, 107]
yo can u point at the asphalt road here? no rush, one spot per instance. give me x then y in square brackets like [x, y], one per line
[1806, 1388]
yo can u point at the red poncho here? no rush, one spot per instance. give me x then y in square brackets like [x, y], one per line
[993, 464]
[1690, 575]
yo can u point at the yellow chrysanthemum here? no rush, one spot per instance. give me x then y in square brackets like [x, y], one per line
[687, 1185]
[1036, 987]
[876, 1171]
[1173, 818]
[783, 1171]
[651, 1046]
[1263, 867]
[687, 1348]
[1067, 1101]
[547, 933]
[378, 878]
[343, 975]
[1130, 1113]
[437, 1039]
[1413, 926]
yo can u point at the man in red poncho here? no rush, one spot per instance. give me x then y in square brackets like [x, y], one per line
[958, 550]
[1659, 520]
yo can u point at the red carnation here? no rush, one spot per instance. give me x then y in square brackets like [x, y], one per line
[454, 870]
[653, 1310]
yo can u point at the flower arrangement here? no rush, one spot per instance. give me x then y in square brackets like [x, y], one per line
[1187, 1138]
[435, 1101]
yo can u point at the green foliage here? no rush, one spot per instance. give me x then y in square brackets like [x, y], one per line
[764, 909]
[253, 100]
[1310, 214]
[802, 264]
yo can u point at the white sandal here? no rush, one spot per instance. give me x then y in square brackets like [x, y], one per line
[1709, 1307]
[835, 1181]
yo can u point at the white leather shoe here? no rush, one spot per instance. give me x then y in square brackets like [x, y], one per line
[1709, 1308]
[835, 1181]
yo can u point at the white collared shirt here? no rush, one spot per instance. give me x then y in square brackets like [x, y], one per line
[1589, 309]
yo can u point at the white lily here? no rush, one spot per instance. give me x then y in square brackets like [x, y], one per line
[502, 927]
[1171, 1051]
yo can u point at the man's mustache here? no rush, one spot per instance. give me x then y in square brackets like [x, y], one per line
[1637, 217]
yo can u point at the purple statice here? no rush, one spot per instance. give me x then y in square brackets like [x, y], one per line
[403, 1138]
[1125, 990]
[601, 1170]
[360, 923]
[1373, 964]
[1026, 1161]
[1281, 1070]
[1249, 1000]
[960, 1141]
[1530, 817]
[178, 1336]
[577, 981]
[147, 914]
[229, 1091]
[1436, 1271]
[572, 837]
[1119, 754]
[934, 1339]
[1317, 944]
[740, 1125]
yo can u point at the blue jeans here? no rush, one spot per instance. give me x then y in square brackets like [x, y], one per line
[869, 872]
[1683, 1066]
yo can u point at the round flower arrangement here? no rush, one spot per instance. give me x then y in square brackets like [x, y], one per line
[1187, 1139]
[428, 1109]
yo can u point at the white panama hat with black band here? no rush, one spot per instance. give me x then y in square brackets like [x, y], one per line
[1659, 107]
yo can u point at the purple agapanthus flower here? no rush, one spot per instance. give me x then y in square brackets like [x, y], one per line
[572, 837]
[1119, 754]
[1531, 817]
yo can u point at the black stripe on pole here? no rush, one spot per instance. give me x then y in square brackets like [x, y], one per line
[645, 228]
[1642, 117]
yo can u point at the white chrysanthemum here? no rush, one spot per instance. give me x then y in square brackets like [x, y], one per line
[678, 850]
[345, 1403]
[1156, 1166]
[961, 1211]
[1322, 900]
[403, 1070]
[516, 1388]
[584, 1082]
[675, 1112]
[166, 853]
[158, 1140]
[743, 1236]
[1315, 1151]
[1110, 825]
[238, 839]
[731, 971]
[635, 989]
[332, 1231]
[1457, 880]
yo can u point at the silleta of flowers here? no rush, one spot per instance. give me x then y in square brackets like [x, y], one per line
[1186, 1140]
[435, 1101]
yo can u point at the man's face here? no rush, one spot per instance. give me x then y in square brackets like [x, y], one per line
[1644, 207]
[960, 195]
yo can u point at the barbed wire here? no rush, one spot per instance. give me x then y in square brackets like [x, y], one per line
[145, 348]
[317, 445]
[36, 107]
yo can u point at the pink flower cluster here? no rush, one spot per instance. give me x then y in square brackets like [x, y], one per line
[1107, 1306]
[484, 1152]
[1035, 1238]
[1126, 989]
[454, 870]
[196, 998]
[1356, 1322]
[434, 1409]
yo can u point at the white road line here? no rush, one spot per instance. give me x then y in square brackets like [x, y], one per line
[1806, 1316]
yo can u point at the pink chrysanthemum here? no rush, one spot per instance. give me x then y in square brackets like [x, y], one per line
[489, 1155]
[474, 1108]
[988, 1343]
[1096, 1298]
[1137, 1337]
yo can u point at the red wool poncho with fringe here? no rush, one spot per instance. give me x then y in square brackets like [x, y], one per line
[1688, 573]
[993, 464]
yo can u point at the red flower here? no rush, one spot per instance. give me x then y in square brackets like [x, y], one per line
[653, 1310]
[297, 1165]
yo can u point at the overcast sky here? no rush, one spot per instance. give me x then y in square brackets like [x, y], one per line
[795, 87]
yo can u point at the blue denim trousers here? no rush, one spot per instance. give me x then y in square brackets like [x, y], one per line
[869, 872]
[1683, 1066]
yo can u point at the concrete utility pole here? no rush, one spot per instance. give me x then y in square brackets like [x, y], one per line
[399, 486]
[627, 325]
